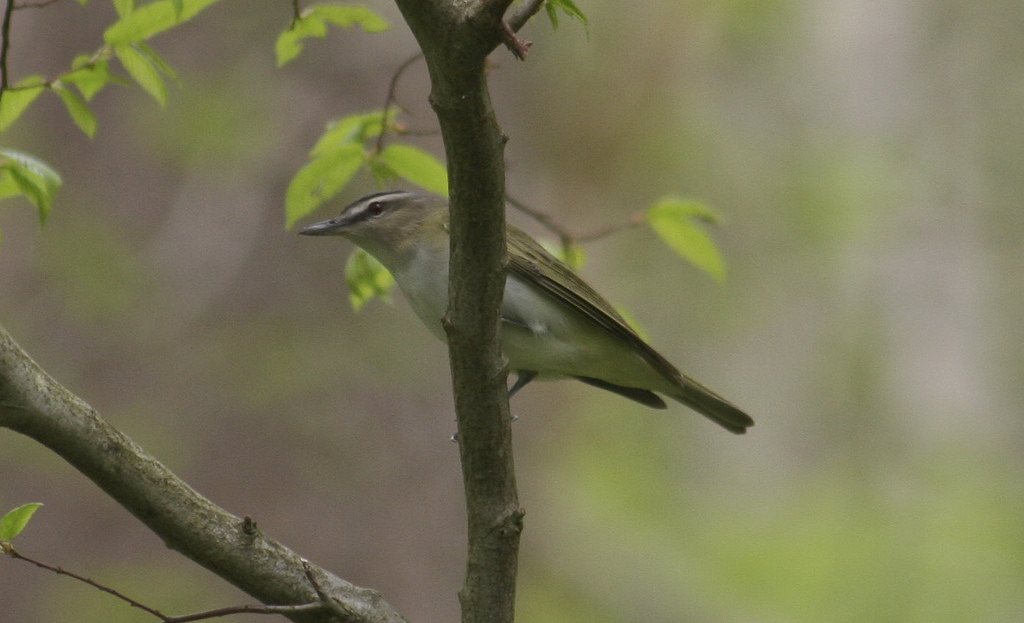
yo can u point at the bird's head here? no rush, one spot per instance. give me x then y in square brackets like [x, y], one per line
[390, 225]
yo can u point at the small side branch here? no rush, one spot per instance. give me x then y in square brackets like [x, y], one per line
[5, 30]
[522, 14]
[516, 44]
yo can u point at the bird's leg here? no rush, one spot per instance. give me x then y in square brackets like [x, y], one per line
[522, 378]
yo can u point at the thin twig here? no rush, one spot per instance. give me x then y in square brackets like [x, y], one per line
[187, 618]
[565, 238]
[296, 13]
[391, 98]
[607, 230]
[13, 553]
[222, 612]
[543, 218]
[39, 4]
[5, 46]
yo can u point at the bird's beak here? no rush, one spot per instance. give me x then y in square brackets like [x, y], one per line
[330, 227]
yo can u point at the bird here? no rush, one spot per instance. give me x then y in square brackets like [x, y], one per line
[553, 325]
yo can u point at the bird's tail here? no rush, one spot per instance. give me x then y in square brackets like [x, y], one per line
[711, 405]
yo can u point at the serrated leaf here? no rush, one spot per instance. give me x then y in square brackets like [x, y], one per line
[674, 220]
[89, 76]
[32, 177]
[142, 71]
[15, 521]
[77, 108]
[367, 279]
[152, 19]
[552, 7]
[417, 166]
[320, 180]
[15, 100]
[313, 23]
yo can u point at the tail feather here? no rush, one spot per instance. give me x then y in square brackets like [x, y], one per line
[711, 405]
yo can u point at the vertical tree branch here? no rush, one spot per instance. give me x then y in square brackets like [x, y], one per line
[456, 38]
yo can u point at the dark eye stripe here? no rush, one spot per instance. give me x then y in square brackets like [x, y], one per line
[373, 205]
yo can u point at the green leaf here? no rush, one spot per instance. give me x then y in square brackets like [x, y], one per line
[289, 42]
[124, 7]
[674, 220]
[367, 279]
[142, 71]
[313, 23]
[152, 19]
[321, 178]
[15, 100]
[417, 166]
[25, 175]
[78, 109]
[156, 60]
[552, 7]
[89, 76]
[355, 128]
[351, 16]
[15, 521]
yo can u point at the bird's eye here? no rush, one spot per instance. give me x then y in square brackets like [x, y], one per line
[375, 209]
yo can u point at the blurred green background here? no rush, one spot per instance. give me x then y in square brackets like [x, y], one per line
[869, 158]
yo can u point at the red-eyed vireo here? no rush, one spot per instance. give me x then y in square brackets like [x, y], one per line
[553, 324]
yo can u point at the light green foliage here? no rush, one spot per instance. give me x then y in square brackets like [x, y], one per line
[15, 521]
[143, 69]
[415, 165]
[313, 21]
[552, 7]
[151, 19]
[675, 220]
[77, 108]
[89, 75]
[22, 174]
[346, 146]
[17, 98]
[367, 279]
[321, 179]
[124, 7]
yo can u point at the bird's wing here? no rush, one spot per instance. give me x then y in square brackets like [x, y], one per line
[565, 286]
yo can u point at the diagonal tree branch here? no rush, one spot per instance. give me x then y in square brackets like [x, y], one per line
[33, 404]
[522, 14]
